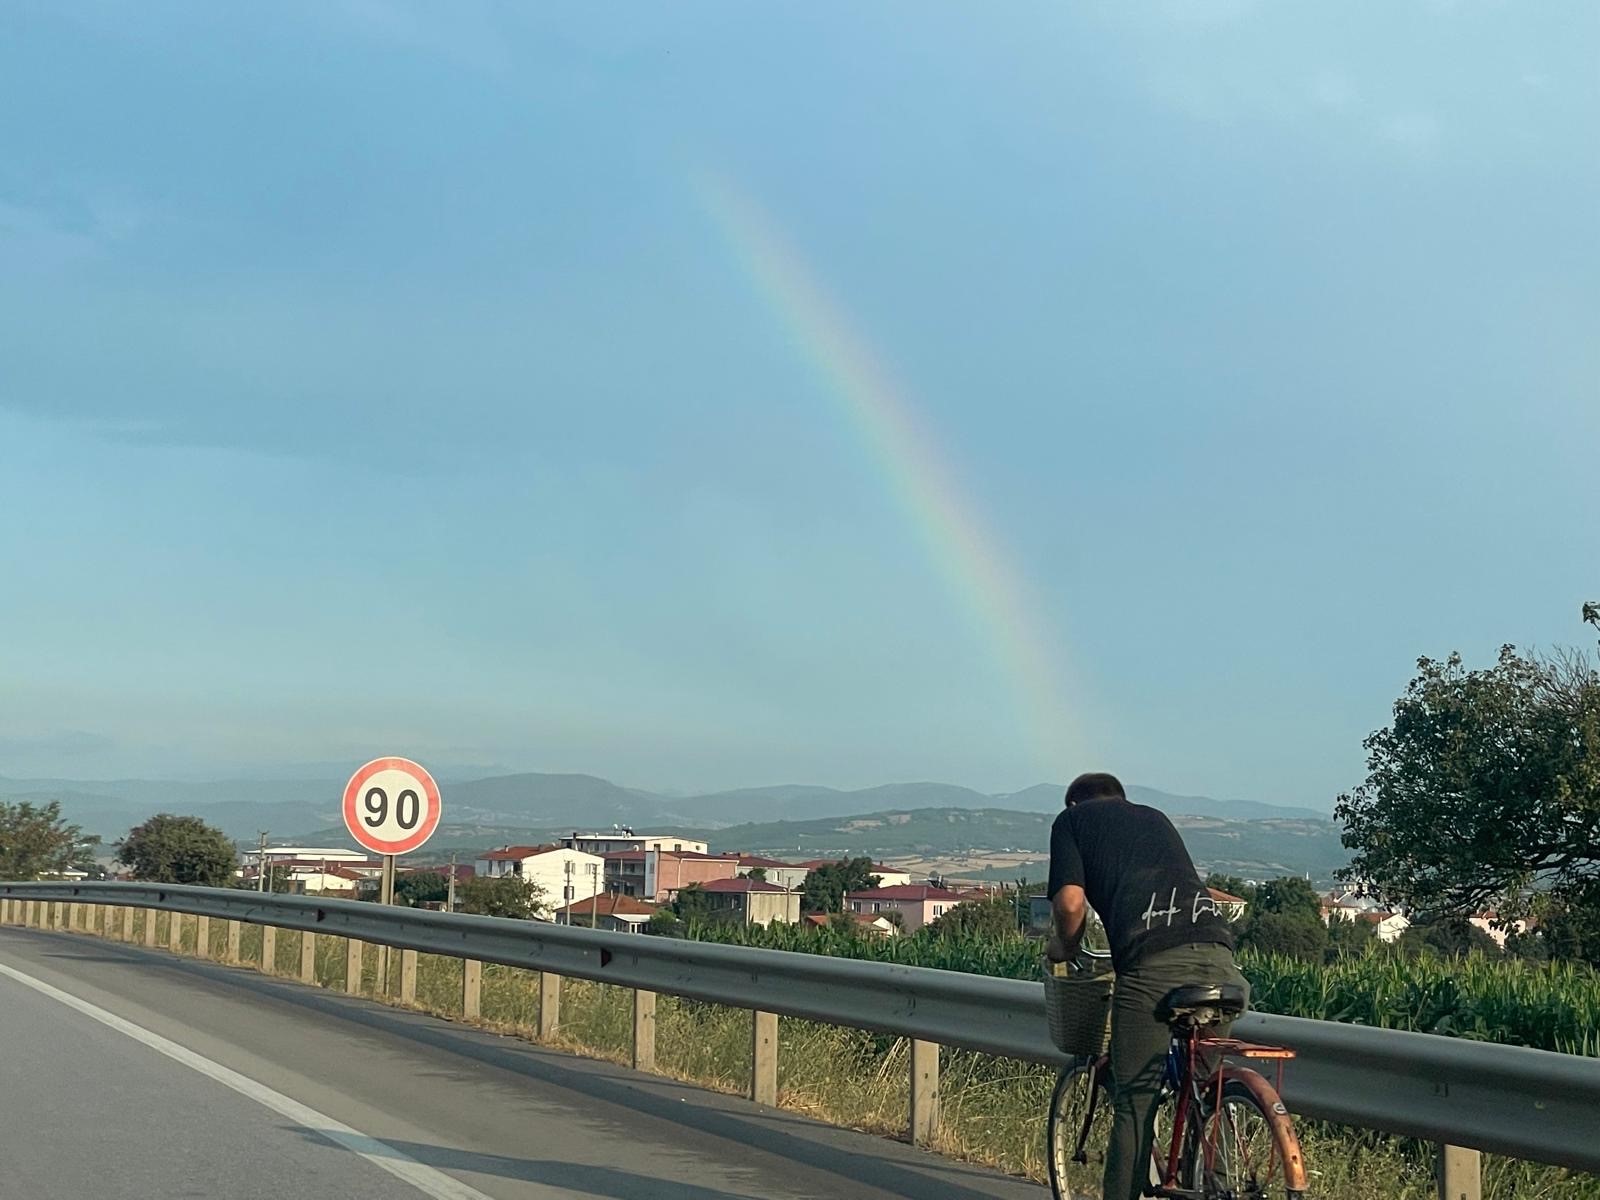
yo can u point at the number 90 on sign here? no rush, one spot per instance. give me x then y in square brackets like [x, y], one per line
[391, 806]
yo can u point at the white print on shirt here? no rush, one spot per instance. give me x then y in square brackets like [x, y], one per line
[1201, 906]
[1151, 913]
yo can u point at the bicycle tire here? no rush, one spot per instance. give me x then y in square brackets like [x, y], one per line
[1077, 1174]
[1071, 1179]
[1244, 1147]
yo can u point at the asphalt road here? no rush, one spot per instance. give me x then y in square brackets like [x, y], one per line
[134, 1073]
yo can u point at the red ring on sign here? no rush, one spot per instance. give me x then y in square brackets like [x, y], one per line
[359, 781]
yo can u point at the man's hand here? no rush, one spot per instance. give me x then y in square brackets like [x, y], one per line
[1055, 949]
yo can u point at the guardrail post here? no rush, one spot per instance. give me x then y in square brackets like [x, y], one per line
[150, 927]
[1460, 1173]
[127, 924]
[231, 954]
[269, 949]
[471, 987]
[175, 933]
[644, 1030]
[5, 911]
[308, 956]
[352, 966]
[56, 916]
[408, 977]
[202, 937]
[924, 1091]
[75, 917]
[549, 1004]
[764, 1058]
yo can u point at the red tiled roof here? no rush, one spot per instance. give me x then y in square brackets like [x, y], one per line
[611, 905]
[741, 884]
[515, 853]
[907, 891]
[755, 860]
[1223, 897]
[1377, 918]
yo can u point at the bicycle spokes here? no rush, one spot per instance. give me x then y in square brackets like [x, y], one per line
[1238, 1154]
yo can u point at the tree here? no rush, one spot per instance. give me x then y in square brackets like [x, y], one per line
[690, 903]
[1285, 933]
[993, 917]
[35, 841]
[1452, 937]
[172, 849]
[664, 923]
[826, 887]
[757, 873]
[421, 887]
[501, 896]
[1285, 917]
[1349, 938]
[1485, 790]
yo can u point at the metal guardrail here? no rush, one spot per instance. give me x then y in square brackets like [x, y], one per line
[1511, 1100]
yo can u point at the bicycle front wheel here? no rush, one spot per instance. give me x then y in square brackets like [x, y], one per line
[1079, 1131]
[1245, 1147]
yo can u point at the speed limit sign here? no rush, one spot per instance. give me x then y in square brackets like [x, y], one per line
[391, 806]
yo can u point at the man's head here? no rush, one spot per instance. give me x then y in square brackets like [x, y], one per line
[1095, 785]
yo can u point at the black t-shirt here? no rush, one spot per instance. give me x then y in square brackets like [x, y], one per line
[1132, 864]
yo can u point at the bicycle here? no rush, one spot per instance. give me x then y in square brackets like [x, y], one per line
[1227, 1133]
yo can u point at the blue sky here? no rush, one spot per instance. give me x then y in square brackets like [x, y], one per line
[374, 380]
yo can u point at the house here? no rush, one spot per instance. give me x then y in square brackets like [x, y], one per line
[785, 875]
[880, 926]
[1489, 922]
[623, 838]
[614, 911]
[918, 904]
[747, 901]
[562, 875]
[1229, 906]
[665, 871]
[1389, 925]
[624, 871]
[328, 881]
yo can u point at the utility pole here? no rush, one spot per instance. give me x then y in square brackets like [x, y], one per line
[450, 888]
[261, 862]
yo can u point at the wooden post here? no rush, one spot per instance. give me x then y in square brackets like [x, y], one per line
[408, 977]
[150, 915]
[764, 1058]
[202, 937]
[175, 932]
[549, 1004]
[55, 915]
[231, 954]
[471, 988]
[308, 956]
[352, 965]
[269, 949]
[924, 1092]
[644, 1030]
[127, 924]
[75, 917]
[1460, 1173]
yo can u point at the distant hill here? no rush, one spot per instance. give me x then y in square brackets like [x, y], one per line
[1255, 849]
[530, 805]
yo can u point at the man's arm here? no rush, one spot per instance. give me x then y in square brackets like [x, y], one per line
[1070, 908]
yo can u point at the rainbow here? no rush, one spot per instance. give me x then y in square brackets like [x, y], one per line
[966, 553]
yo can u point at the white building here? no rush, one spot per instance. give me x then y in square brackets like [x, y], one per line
[785, 875]
[623, 838]
[561, 874]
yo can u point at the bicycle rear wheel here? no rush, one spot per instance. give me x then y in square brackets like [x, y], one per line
[1079, 1129]
[1243, 1150]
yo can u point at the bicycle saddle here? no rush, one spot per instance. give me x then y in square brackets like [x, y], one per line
[1201, 1004]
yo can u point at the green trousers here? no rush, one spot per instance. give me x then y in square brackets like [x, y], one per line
[1139, 1053]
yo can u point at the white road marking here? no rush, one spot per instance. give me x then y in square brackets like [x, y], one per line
[380, 1154]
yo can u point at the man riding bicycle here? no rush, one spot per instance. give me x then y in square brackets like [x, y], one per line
[1128, 862]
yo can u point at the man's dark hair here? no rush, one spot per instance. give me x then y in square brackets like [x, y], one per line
[1095, 785]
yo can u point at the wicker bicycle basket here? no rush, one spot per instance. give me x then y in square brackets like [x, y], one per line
[1079, 1009]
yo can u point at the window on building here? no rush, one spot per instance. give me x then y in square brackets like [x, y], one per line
[876, 906]
[938, 910]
